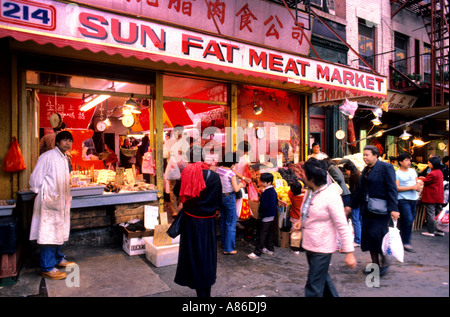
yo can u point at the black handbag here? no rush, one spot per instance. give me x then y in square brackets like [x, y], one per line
[175, 228]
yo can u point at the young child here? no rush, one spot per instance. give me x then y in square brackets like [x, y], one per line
[267, 211]
[296, 197]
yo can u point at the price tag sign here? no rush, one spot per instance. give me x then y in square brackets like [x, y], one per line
[278, 183]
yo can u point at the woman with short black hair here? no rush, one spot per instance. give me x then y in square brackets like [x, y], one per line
[433, 195]
[377, 181]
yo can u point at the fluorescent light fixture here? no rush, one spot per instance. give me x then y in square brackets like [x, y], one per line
[91, 104]
[405, 135]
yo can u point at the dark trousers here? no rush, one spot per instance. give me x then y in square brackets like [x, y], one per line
[319, 283]
[265, 237]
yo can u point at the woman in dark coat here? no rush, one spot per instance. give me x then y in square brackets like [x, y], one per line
[197, 258]
[377, 181]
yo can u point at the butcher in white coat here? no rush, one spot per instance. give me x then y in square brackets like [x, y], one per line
[50, 224]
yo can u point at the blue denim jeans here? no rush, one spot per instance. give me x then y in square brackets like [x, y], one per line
[319, 283]
[50, 256]
[228, 218]
[356, 222]
[407, 209]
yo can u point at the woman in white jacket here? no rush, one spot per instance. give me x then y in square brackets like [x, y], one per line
[50, 224]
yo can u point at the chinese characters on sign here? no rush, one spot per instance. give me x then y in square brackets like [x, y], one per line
[252, 20]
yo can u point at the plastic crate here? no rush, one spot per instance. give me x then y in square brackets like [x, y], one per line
[7, 207]
[163, 255]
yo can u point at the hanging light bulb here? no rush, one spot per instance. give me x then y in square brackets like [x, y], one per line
[379, 133]
[378, 112]
[405, 135]
[376, 121]
[257, 109]
[131, 103]
[418, 142]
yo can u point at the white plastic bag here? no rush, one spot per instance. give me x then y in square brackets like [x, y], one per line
[392, 245]
[442, 220]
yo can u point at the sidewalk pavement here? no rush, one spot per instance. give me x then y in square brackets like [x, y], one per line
[110, 272]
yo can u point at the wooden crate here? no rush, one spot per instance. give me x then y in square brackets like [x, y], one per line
[125, 213]
[89, 218]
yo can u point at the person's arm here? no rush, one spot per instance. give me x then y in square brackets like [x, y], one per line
[236, 186]
[406, 188]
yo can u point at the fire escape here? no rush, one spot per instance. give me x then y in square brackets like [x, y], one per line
[435, 15]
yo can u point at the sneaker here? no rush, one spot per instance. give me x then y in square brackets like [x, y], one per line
[428, 234]
[295, 252]
[439, 233]
[54, 275]
[356, 245]
[266, 251]
[253, 256]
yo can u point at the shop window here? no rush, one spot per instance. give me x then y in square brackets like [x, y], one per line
[68, 96]
[426, 62]
[200, 108]
[366, 43]
[273, 134]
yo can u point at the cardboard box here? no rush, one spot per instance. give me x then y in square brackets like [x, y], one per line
[133, 246]
[163, 255]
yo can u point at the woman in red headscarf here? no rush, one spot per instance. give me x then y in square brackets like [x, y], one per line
[200, 190]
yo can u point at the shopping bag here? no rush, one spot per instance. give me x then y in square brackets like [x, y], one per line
[245, 211]
[392, 245]
[176, 226]
[14, 161]
[442, 220]
[252, 192]
[296, 239]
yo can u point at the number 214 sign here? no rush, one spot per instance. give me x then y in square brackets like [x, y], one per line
[28, 13]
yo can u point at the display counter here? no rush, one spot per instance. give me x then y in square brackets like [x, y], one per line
[105, 199]
[93, 210]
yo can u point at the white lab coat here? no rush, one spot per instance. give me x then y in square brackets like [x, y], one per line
[50, 179]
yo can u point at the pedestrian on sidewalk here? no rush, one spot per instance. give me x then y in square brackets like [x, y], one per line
[323, 218]
[296, 198]
[408, 187]
[433, 195]
[50, 224]
[354, 213]
[228, 215]
[200, 192]
[377, 181]
[268, 203]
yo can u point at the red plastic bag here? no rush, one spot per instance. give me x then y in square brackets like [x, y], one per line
[252, 192]
[14, 160]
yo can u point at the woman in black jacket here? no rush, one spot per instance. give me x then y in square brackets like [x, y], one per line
[377, 181]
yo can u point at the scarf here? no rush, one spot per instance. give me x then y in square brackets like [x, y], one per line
[192, 182]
